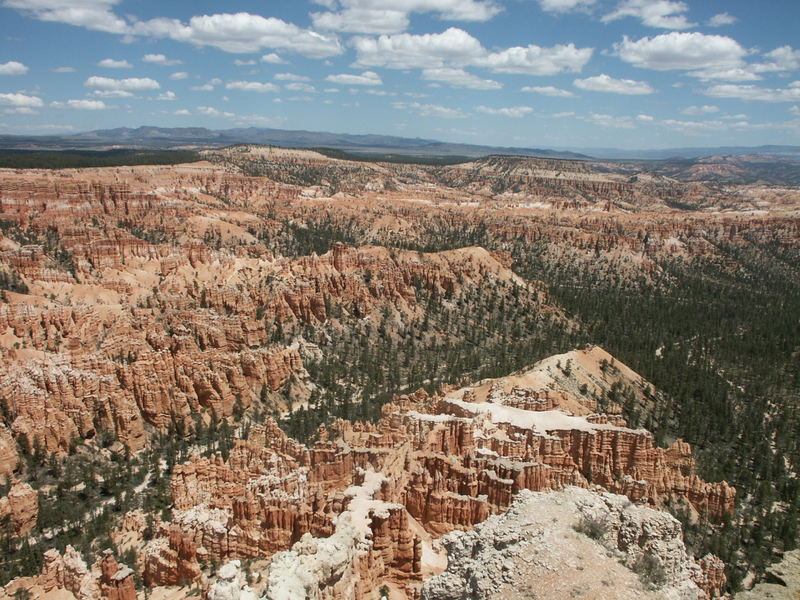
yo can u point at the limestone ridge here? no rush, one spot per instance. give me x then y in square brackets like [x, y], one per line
[571, 543]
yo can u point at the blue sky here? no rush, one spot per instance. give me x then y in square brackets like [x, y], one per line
[535, 73]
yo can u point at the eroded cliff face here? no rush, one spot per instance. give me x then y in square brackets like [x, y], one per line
[364, 506]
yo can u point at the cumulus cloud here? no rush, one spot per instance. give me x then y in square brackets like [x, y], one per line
[610, 121]
[168, 95]
[131, 84]
[563, 6]
[756, 93]
[536, 60]
[13, 67]
[455, 48]
[238, 33]
[408, 51]
[112, 94]
[459, 78]
[81, 105]
[380, 16]
[290, 77]
[726, 74]
[515, 112]
[663, 14]
[362, 20]
[678, 50]
[299, 86]
[605, 83]
[63, 70]
[366, 78]
[179, 75]
[431, 110]
[252, 86]
[242, 33]
[20, 110]
[706, 109]
[20, 100]
[784, 58]
[271, 59]
[160, 59]
[110, 63]
[548, 90]
[91, 14]
[207, 86]
[722, 19]
[210, 111]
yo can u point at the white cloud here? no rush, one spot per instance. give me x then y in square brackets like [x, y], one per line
[91, 14]
[706, 109]
[182, 112]
[536, 60]
[722, 19]
[160, 59]
[563, 6]
[511, 111]
[459, 78]
[431, 110]
[299, 86]
[242, 33]
[112, 94]
[271, 58]
[20, 110]
[210, 111]
[20, 100]
[548, 90]
[605, 83]
[726, 74]
[239, 33]
[290, 77]
[407, 51]
[207, 86]
[366, 78]
[81, 105]
[245, 63]
[610, 121]
[110, 63]
[677, 50]
[752, 92]
[664, 14]
[252, 86]
[179, 75]
[131, 84]
[645, 118]
[63, 70]
[13, 67]
[382, 17]
[362, 20]
[784, 58]
[455, 48]
[168, 95]
[795, 110]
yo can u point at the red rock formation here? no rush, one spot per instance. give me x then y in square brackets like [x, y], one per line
[116, 581]
[21, 505]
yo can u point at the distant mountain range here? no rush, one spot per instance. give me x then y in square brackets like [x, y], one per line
[200, 137]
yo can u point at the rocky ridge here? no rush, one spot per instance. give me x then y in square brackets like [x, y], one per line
[571, 543]
[364, 506]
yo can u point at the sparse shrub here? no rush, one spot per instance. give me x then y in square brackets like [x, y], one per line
[591, 526]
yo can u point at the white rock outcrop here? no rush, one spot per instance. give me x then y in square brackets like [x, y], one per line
[572, 543]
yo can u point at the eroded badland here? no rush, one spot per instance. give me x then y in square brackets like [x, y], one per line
[317, 368]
